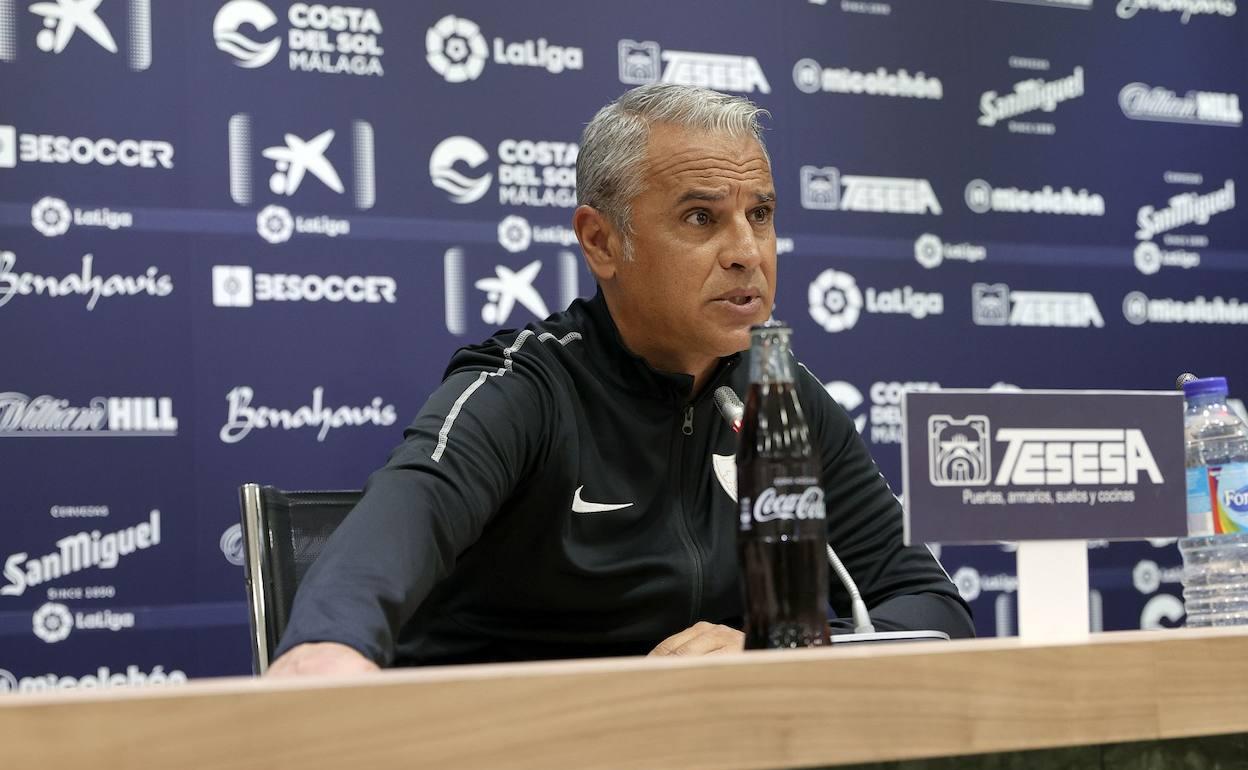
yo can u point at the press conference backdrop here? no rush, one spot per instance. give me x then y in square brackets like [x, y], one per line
[240, 240]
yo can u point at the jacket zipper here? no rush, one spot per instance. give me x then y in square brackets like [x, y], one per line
[686, 428]
[686, 530]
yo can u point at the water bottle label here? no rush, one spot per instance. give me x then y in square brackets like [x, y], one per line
[1199, 503]
[1229, 488]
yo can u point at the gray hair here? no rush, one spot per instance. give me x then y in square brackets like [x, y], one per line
[609, 165]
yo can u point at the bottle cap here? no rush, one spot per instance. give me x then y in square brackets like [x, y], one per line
[1205, 386]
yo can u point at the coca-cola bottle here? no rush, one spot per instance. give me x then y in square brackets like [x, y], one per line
[782, 535]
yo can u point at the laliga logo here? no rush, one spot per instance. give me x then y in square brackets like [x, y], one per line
[459, 149]
[51, 216]
[247, 53]
[456, 49]
[835, 301]
[52, 622]
[275, 224]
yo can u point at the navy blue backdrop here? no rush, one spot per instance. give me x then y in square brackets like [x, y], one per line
[239, 241]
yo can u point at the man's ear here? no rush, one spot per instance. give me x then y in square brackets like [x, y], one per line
[599, 241]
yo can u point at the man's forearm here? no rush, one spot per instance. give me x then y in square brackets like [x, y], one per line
[915, 612]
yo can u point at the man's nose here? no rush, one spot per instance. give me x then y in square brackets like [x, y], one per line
[742, 249]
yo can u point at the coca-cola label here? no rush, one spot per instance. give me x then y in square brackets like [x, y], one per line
[790, 503]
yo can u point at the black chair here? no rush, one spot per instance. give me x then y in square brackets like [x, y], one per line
[283, 533]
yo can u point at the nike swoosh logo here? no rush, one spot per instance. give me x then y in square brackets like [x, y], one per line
[580, 506]
[726, 472]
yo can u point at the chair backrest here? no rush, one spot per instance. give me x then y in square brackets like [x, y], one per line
[283, 533]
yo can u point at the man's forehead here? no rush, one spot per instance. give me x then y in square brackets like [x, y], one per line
[680, 158]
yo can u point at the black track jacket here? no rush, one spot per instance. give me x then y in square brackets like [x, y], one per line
[557, 497]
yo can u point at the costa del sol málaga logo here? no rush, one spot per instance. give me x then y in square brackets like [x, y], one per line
[247, 53]
[456, 49]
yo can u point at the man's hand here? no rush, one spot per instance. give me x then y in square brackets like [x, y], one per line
[321, 658]
[702, 639]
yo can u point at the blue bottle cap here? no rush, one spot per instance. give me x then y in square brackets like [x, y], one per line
[1205, 386]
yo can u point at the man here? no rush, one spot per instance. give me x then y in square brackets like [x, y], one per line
[557, 496]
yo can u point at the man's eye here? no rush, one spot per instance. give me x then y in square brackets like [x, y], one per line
[761, 215]
[699, 217]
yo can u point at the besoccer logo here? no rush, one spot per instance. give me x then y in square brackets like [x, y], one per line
[459, 149]
[275, 224]
[51, 216]
[515, 234]
[835, 301]
[958, 450]
[456, 49]
[231, 286]
[247, 53]
[52, 622]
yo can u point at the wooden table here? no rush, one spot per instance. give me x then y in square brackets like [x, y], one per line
[798, 708]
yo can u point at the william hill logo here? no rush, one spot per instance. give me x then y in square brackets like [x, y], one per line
[960, 454]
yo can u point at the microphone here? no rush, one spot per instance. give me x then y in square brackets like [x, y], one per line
[732, 410]
[730, 406]
[1183, 379]
[862, 621]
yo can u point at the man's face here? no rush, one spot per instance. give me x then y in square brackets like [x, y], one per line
[704, 246]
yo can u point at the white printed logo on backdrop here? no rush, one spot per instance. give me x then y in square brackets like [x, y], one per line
[1186, 209]
[456, 49]
[296, 161]
[836, 302]
[505, 291]
[825, 188]
[645, 62]
[328, 39]
[52, 217]
[66, 21]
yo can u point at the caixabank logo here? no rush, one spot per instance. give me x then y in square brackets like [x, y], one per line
[960, 454]
[57, 26]
[457, 49]
[324, 39]
[499, 291]
[295, 162]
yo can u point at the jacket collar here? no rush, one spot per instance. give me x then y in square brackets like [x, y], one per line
[629, 370]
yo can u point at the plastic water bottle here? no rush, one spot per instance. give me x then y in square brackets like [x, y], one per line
[1215, 553]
